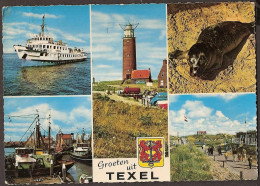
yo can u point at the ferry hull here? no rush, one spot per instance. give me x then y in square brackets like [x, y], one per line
[25, 54]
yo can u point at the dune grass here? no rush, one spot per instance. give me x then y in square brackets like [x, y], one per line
[117, 125]
[189, 164]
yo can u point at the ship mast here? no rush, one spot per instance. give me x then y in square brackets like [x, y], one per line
[43, 25]
[49, 136]
[83, 136]
[37, 137]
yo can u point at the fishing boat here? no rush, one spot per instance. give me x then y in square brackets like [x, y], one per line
[36, 157]
[82, 149]
[43, 48]
[27, 163]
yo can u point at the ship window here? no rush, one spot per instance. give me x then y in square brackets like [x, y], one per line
[43, 46]
[47, 46]
[40, 38]
[54, 47]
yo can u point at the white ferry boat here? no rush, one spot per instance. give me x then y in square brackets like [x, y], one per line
[42, 48]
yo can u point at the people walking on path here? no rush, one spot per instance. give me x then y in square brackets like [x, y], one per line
[219, 150]
[226, 155]
[244, 155]
[239, 157]
[250, 162]
[234, 153]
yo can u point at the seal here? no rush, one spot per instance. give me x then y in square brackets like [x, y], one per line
[216, 48]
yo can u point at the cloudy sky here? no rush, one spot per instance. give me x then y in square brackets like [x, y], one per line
[214, 113]
[107, 38]
[67, 23]
[70, 114]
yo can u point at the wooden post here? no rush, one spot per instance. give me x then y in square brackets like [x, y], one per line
[214, 157]
[16, 170]
[223, 163]
[241, 175]
[51, 168]
[64, 171]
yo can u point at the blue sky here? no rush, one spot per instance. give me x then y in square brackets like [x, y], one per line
[107, 38]
[70, 114]
[215, 113]
[68, 23]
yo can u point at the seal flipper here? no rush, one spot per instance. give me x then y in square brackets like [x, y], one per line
[178, 54]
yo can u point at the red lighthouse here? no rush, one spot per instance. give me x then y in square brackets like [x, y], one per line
[129, 51]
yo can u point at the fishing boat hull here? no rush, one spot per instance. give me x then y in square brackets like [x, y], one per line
[38, 171]
[83, 159]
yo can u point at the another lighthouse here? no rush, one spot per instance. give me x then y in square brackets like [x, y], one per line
[129, 51]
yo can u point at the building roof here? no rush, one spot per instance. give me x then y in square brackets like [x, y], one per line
[139, 74]
[66, 136]
[201, 132]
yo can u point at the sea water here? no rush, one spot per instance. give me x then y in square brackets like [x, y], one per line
[31, 78]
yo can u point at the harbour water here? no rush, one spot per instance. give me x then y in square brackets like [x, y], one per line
[30, 78]
[9, 151]
[78, 169]
[75, 171]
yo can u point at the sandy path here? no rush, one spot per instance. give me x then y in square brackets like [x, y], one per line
[128, 100]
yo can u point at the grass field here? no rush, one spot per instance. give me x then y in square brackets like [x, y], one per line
[116, 126]
[189, 164]
[116, 85]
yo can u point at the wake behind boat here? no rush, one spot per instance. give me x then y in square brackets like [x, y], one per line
[42, 48]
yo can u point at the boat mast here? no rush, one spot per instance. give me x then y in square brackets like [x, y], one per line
[37, 137]
[49, 135]
[43, 25]
[83, 136]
